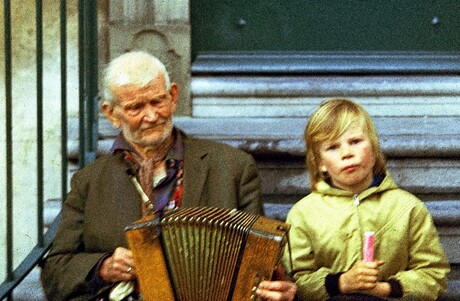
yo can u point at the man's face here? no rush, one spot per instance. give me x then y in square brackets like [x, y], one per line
[144, 114]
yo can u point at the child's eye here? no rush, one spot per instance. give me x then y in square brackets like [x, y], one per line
[332, 147]
[356, 141]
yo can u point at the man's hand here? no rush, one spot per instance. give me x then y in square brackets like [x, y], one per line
[277, 290]
[362, 277]
[118, 267]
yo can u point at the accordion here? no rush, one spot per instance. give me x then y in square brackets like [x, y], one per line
[205, 253]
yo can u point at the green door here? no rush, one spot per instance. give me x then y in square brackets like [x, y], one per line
[334, 25]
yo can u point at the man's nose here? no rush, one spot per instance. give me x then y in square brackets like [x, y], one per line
[150, 113]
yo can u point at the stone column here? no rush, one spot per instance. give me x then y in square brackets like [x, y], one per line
[159, 27]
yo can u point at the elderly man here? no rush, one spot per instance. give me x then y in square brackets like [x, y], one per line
[167, 169]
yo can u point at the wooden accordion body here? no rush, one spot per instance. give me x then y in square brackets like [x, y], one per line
[205, 253]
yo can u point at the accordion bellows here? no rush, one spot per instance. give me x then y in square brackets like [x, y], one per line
[205, 253]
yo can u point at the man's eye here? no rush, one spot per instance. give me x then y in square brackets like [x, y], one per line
[158, 101]
[134, 107]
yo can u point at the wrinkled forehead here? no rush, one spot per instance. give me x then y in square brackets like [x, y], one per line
[156, 86]
[123, 79]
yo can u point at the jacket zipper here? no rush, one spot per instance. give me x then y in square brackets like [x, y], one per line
[356, 202]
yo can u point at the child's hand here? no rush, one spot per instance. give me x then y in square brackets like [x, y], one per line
[363, 276]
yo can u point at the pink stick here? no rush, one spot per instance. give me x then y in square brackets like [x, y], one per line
[368, 246]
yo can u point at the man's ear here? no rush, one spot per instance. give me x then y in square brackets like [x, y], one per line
[110, 114]
[174, 92]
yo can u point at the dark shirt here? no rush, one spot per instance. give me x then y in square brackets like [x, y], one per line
[164, 189]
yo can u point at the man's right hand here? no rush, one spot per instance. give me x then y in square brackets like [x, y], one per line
[363, 276]
[118, 267]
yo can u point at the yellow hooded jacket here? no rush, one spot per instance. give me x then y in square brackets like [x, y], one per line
[326, 234]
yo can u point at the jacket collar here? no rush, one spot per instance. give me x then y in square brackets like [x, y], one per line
[196, 167]
[379, 185]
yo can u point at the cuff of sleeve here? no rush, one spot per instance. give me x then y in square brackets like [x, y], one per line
[332, 284]
[95, 280]
[396, 289]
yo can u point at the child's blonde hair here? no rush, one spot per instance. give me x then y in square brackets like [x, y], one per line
[328, 123]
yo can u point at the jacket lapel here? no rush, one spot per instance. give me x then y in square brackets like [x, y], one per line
[196, 166]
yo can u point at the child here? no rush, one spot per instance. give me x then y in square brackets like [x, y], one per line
[353, 193]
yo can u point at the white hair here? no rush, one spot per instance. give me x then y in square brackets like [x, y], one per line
[137, 68]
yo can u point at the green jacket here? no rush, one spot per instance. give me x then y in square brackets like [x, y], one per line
[103, 201]
[327, 228]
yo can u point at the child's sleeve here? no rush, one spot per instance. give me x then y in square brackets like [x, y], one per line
[300, 263]
[426, 276]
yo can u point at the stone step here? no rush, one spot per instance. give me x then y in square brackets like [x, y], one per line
[400, 137]
[444, 213]
[446, 216]
[30, 288]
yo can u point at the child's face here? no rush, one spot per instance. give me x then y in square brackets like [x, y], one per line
[349, 160]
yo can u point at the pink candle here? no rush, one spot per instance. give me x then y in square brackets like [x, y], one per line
[368, 246]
